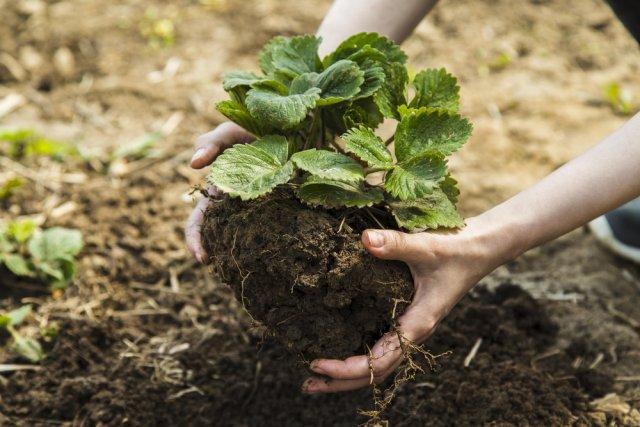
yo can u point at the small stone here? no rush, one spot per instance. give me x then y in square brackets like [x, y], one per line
[64, 62]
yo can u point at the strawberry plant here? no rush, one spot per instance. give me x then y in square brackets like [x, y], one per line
[315, 120]
[46, 255]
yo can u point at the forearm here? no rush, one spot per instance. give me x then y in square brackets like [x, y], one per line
[392, 18]
[590, 185]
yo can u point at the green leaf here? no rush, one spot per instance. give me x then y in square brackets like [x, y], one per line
[431, 212]
[450, 187]
[329, 165]
[371, 61]
[5, 244]
[362, 112]
[277, 145]
[417, 176]
[367, 53]
[303, 83]
[239, 114]
[17, 264]
[139, 148]
[374, 78]
[8, 187]
[392, 94]
[353, 44]
[281, 112]
[428, 129]
[26, 142]
[28, 348]
[365, 144]
[234, 79]
[251, 170]
[55, 244]
[339, 82]
[68, 269]
[20, 230]
[52, 270]
[436, 89]
[335, 194]
[291, 56]
[238, 83]
[15, 317]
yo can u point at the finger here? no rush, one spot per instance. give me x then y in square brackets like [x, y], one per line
[391, 244]
[384, 356]
[318, 385]
[329, 385]
[193, 229]
[211, 144]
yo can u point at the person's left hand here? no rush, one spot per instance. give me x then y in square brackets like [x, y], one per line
[444, 268]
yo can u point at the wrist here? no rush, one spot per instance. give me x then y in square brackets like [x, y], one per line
[496, 240]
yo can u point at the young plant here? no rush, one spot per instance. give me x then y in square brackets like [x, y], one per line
[300, 105]
[20, 143]
[9, 186]
[29, 348]
[47, 255]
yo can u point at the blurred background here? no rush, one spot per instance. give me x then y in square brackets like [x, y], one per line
[100, 103]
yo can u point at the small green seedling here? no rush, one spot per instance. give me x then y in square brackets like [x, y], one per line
[20, 143]
[159, 31]
[139, 148]
[299, 106]
[619, 99]
[46, 255]
[9, 186]
[29, 348]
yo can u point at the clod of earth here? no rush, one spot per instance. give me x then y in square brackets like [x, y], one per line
[304, 274]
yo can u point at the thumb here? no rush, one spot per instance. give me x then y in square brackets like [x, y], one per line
[391, 244]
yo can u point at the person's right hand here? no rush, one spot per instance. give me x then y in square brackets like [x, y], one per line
[208, 147]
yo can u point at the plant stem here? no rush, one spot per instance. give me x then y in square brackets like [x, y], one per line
[320, 141]
[389, 141]
[312, 131]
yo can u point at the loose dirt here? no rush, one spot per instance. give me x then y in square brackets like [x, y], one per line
[147, 337]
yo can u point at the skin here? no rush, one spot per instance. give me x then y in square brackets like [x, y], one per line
[445, 266]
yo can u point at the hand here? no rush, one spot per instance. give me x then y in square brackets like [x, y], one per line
[444, 268]
[208, 147]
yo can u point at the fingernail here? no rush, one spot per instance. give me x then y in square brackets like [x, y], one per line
[375, 238]
[198, 154]
[317, 369]
[200, 258]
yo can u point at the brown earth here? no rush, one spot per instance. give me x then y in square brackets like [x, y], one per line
[304, 274]
[148, 338]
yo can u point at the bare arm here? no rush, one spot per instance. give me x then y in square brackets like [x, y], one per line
[588, 186]
[395, 19]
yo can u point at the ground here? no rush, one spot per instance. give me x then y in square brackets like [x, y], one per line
[147, 337]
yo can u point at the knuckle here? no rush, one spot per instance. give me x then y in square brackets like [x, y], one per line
[398, 240]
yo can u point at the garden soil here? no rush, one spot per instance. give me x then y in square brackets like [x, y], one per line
[148, 337]
[304, 274]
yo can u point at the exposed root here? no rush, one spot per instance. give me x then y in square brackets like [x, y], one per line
[244, 276]
[412, 355]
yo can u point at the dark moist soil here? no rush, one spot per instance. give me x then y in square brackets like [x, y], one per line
[92, 376]
[304, 274]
